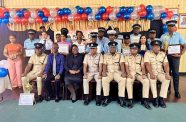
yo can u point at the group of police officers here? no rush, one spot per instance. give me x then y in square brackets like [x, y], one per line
[123, 69]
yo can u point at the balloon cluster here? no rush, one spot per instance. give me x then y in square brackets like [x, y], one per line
[78, 13]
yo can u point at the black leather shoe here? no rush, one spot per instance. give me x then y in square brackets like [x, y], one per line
[146, 104]
[39, 99]
[177, 95]
[57, 99]
[98, 100]
[155, 102]
[48, 98]
[130, 104]
[122, 102]
[162, 103]
[106, 101]
[86, 100]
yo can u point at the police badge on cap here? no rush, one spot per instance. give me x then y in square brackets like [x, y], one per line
[101, 29]
[156, 42]
[112, 44]
[134, 46]
[171, 23]
[93, 45]
[38, 45]
[152, 30]
[127, 37]
[31, 31]
[111, 32]
[93, 34]
[136, 26]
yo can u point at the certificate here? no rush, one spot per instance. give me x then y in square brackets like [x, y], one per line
[81, 48]
[26, 99]
[63, 48]
[174, 49]
[29, 52]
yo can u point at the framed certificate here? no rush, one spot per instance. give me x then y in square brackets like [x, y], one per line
[81, 48]
[174, 49]
[29, 52]
[63, 48]
[26, 99]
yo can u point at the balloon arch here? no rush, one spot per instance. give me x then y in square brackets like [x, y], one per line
[78, 13]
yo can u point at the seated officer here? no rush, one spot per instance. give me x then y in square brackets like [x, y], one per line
[125, 45]
[113, 69]
[53, 71]
[92, 70]
[158, 68]
[136, 71]
[38, 62]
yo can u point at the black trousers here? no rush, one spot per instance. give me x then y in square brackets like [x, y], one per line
[174, 64]
[48, 85]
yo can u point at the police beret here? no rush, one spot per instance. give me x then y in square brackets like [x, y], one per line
[156, 42]
[135, 45]
[38, 45]
[101, 29]
[93, 34]
[127, 37]
[92, 45]
[171, 23]
[111, 32]
[136, 26]
[64, 30]
[112, 44]
[31, 31]
[152, 30]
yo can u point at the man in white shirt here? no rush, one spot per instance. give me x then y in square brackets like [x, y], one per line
[135, 37]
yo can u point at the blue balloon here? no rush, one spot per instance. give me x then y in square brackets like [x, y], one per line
[88, 10]
[80, 10]
[60, 12]
[5, 20]
[165, 29]
[163, 15]
[98, 17]
[150, 16]
[149, 8]
[45, 19]
[130, 10]
[118, 15]
[6, 14]
[3, 72]
[123, 10]
[68, 11]
[77, 7]
[127, 16]
[102, 10]
[23, 10]
[19, 13]
[0, 20]
[40, 14]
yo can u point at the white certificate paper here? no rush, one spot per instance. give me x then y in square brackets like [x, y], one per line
[174, 49]
[29, 52]
[63, 48]
[26, 99]
[81, 48]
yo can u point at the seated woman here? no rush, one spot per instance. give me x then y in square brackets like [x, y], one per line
[73, 71]
[143, 44]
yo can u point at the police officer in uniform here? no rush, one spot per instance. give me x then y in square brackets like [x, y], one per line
[38, 62]
[158, 68]
[125, 45]
[135, 37]
[93, 62]
[136, 71]
[152, 37]
[113, 69]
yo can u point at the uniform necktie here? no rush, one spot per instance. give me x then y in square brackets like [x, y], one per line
[54, 66]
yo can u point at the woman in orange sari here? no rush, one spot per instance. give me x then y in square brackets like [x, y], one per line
[14, 53]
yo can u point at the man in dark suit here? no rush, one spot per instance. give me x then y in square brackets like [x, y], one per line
[53, 71]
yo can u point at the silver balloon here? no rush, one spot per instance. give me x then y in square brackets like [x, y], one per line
[112, 16]
[53, 12]
[116, 9]
[11, 20]
[175, 17]
[157, 16]
[136, 9]
[50, 19]
[73, 10]
[94, 10]
[134, 16]
[156, 9]
[70, 17]
[12, 13]
[33, 14]
[31, 20]
[91, 17]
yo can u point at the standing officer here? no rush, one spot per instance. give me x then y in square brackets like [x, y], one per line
[136, 71]
[29, 43]
[158, 68]
[135, 37]
[152, 37]
[92, 70]
[174, 38]
[38, 62]
[113, 69]
[125, 45]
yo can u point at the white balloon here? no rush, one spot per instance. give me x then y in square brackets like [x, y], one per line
[165, 20]
[11, 20]
[116, 9]
[53, 12]
[50, 19]
[112, 16]
[156, 16]
[175, 17]
[73, 10]
[91, 17]
[94, 10]
[33, 14]
[12, 13]
[70, 17]
[134, 16]
[31, 20]
[136, 9]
